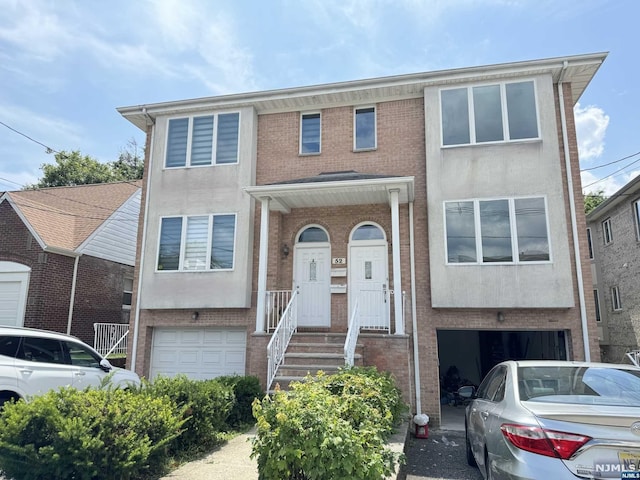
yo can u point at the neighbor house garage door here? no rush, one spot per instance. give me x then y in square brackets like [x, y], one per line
[14, 283]
[199, 353]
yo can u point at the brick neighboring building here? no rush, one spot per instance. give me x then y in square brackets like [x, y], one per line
[614, 234]
[64, 243]
[438, 209]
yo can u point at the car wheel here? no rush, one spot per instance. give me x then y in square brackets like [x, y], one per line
[470, 458]
[7, 397]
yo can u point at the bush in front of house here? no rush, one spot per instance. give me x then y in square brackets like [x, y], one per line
[245, 389]
[205, 404]
[328, 428]
[84, 435]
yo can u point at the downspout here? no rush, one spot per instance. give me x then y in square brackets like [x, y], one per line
[74, 280]
[574, 222]
[136, 321]
[416, 359]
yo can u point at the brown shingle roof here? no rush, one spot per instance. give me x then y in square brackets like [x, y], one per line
[64, 217]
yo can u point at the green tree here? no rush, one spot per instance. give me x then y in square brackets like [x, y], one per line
[592, 200]
[73, 168]
[130, 163]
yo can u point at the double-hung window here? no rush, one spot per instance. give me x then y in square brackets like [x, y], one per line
[511, 230]
[489, 113]
[607, 232]
[596, 300]
[590, 243]
[364, 137]
[310, 133]
[203, 140]
[199, 242]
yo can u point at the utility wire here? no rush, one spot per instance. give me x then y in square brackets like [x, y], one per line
[610, 163]
[47, 148]
[612, 174]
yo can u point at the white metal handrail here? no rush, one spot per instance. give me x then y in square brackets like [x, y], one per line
[352, 337]
[634, 356]
[277, 301]
[279, 342]
[110, 338]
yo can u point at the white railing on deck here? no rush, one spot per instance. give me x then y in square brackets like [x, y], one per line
[110, 338]
[352, 337]
[282, 334]
[277, 301]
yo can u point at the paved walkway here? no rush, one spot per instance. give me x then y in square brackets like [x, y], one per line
[232, 461]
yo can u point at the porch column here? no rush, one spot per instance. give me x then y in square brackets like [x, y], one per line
[262, 263]
[395, 242]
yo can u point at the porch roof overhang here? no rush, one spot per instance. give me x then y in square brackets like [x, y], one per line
[319, 192]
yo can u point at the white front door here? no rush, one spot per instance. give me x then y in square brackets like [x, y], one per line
[312, 279]
[368, 285]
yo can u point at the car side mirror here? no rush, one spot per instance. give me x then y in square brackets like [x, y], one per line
[105, 365]
[467, 391]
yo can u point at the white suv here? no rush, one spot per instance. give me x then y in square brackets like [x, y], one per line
[35, 361]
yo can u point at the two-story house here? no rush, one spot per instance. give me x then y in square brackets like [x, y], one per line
[613, 232]
[420, 222]
[67, 256]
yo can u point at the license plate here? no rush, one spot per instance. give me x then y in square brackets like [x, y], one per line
[630, 463]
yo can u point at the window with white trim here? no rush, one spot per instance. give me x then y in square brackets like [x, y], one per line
[364, 120]
[310, 133]
[489, 113]
[203, 140]
[616, 304]
[636, 217]
[127, 293]
[511, 230]
[590, 243]
[200, 242]
[596, 300]
[607, 232]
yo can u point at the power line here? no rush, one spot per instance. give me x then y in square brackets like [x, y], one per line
[612, 174]
[610, 163]
[47, 148]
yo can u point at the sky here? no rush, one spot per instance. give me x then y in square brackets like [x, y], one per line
[65, 65]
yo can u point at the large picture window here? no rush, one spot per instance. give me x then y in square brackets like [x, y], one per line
[203, 140]
[203, 242]
[489, 113]
[512, 230]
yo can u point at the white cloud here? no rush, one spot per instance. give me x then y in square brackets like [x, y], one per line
[591, 128]
[609, 185]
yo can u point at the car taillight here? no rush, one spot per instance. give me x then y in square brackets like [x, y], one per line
[544, 442]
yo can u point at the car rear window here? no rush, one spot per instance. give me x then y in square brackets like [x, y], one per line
[9, 345]
[580, 384]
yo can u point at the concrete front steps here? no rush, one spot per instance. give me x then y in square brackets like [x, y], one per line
[310, 352]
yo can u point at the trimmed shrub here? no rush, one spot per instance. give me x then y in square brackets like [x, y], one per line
[328, 428]
[246, 390]
[206, 405]
[86, 435]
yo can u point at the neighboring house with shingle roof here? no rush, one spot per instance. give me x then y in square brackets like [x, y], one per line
[67, 256]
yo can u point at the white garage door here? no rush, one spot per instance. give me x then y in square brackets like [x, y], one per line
[199, 353]
[14, 282]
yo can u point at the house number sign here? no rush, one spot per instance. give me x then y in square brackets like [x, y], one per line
[338, 261]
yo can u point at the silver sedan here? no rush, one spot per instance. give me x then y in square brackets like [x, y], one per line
[555, 420]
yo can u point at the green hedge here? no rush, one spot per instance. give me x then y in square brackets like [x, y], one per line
[245, 389]
[329, 428]
[86, 435]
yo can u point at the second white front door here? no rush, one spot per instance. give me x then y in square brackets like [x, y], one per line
[313, 282]
[368, 285]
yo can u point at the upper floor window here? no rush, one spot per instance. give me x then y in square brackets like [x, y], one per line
[205, 140]
[365, 128]
[616, 304]
[590, 243]
[596, 300]
[310, 128]
[203, 242]
[127, 293]
[489, 113]
[636, 217]
[510, 230]
[607, 233]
